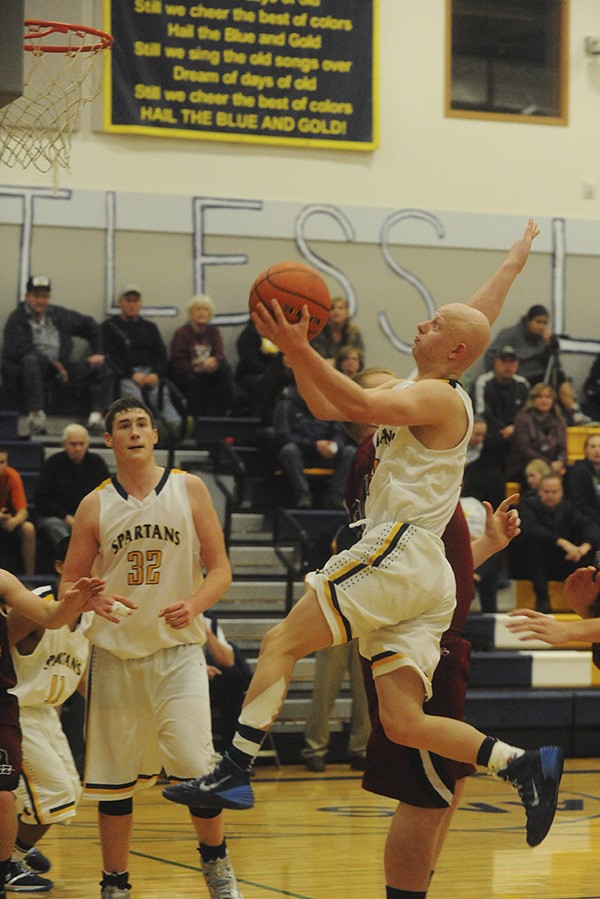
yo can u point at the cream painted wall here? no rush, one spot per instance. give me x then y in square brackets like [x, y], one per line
[424, 159]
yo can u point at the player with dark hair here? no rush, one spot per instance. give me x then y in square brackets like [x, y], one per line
[152, 532]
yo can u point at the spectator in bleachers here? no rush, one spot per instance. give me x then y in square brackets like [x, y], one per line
[350, 360]
[198, 362]
[228, 677]
[570, 408]
[533, 342]
[556, 537]
[258, 358]
[37, 350]
[534, 472]
[583, 482]
[17, 533]
[484, 479]
[65, 478]
[138, 356]
[338, 332]
[591, 391]
[303, 441]
[498, 396]
[539, 433]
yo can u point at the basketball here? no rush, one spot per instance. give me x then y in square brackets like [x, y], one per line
[294, 285]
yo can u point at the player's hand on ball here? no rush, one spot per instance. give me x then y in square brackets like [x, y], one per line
[275, 327]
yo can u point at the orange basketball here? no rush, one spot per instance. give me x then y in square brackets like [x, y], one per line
[294, 285]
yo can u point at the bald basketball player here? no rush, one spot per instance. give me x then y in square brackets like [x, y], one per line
[394, 589]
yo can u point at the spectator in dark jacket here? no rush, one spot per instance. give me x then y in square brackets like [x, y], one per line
[556, 538]
[539, 433]
[498, 396]
[138, 356]
[533, 341]
[583, 483]
[303, 441]
[258, 362]
[64, 479]
[37, 349]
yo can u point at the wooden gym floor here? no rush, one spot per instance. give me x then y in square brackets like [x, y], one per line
[317, 836]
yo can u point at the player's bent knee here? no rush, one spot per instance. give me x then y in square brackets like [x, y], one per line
[116, 808]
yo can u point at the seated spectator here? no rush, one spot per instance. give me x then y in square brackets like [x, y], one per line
[591, 391]
[198, 362]
[350, 360]
[138, 356]
[64, 479]
[303, 441]
[477, 439]
[556, 538]
[533, 342]
[37, 349]
[583, 482]
[569, 407]
[484, 480]
[338, 332]
[498, 395]
[257, 359]
[534, 472]
[540, 433]
[17, 534]
[229, 675]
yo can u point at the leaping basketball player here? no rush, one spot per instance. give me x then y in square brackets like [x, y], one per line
[394, 589]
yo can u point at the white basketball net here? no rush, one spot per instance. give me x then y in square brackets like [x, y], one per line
[36, 128]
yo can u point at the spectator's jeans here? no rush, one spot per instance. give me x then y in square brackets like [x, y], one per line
[151, 396]
[293, 461]
[35, 370]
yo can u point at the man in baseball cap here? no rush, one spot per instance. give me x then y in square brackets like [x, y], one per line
[37, 350]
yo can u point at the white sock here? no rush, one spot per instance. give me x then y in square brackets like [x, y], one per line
[501, 755]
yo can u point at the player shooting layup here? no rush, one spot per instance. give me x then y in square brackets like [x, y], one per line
[394, 589]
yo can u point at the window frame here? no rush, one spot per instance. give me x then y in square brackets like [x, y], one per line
[560, 86]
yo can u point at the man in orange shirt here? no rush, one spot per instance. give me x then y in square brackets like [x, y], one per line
[15, 529]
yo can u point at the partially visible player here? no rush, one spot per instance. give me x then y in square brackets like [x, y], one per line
[151, 531]
[426, 786]
[50, 666]
[87, 594]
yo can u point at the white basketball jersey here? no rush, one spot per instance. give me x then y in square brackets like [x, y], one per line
[412, 483]
[51, 673]
[150, 552]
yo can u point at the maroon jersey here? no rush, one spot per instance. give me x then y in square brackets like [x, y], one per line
[10, 732]
[391, 769]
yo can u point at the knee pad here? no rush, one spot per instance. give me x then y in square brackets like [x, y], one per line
[205, 812]
[119, 807]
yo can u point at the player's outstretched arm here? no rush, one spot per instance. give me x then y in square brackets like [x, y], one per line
[490, 297]
[532, 625]
[51, 614]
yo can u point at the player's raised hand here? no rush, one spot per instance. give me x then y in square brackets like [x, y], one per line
[520, 250]
[504, 523]
[272, 324]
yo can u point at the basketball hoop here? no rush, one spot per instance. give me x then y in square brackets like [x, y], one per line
[62, 74]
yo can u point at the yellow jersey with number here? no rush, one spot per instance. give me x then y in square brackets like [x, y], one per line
[150, 552]
[51, 673]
